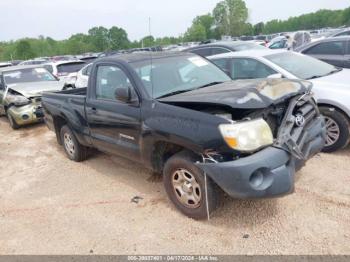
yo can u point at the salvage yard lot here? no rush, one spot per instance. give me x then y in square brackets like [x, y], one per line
[50, 205]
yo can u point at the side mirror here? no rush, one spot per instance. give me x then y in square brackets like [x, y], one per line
[123, 94]
[275, 76]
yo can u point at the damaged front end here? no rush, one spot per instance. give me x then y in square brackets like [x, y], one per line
[298, 133]
[22, 109]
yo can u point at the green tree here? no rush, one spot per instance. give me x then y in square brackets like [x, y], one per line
[148, 41]
[259, 28]
[118, 38]
[230, 17]
[99, 37]
[23, 50]
[345, 20]
[195, 33]
[207, 21]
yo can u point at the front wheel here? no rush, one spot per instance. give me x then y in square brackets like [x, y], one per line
[74, 150]
[337, 126]
[185, 186]
[12, 121]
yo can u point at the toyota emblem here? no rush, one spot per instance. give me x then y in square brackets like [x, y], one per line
[299, 120]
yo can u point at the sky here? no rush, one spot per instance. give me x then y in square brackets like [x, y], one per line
[60, 19]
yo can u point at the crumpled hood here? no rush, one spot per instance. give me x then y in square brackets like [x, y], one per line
[245, 94]
[32, 89]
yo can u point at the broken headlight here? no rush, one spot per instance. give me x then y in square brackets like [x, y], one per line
[17, 100]
[247, 136]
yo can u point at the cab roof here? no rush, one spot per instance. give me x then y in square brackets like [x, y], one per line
[144, 56]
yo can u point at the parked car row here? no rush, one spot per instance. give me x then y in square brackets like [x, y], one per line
[232, 117]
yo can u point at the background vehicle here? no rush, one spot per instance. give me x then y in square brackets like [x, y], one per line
[331, 85]
[20, 93]
[279, 42]
[33, 62]
[5, 64]
[222, 47]
[335, 50]
[290, 41]
[83, 76]
[180, 115]
[66, 71]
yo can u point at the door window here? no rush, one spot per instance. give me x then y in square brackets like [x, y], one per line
[218, 50]
[247, 68]
[202, 52]
[49, 68]
[328, 48]
[86, 71]
[346, 33]
[223, 64]
[279, 44]
[108, 79]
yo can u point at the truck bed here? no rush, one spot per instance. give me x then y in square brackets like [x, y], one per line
[66, 93]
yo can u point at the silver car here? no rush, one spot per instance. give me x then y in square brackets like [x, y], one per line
[331, 84]
[21, 88]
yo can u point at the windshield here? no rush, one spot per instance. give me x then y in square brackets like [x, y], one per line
[169, 75]
[70, 67]
[301, 66]
[28, 75]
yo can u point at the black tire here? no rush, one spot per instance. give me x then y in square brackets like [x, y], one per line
[185, 161]
[12, 121]
[342, 122]
[73, 149]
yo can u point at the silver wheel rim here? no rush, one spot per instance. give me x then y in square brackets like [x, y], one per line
[333, 131]
[186, 188]
[69, 144]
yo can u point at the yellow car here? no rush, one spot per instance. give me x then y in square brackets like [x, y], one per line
[21, 88]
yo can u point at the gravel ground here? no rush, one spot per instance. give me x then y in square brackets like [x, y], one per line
[50, 205]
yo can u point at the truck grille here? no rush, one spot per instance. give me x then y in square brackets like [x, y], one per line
[300, 127]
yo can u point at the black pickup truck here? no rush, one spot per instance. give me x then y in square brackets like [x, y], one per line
[181, 116]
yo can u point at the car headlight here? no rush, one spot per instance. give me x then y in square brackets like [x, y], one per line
[247, 136]
[17, 100]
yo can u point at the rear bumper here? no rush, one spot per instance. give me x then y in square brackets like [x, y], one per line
[267, 173]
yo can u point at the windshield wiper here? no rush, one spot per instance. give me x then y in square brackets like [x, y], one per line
[210, 84]
[187, 90]
[174, 93]
[330, 73]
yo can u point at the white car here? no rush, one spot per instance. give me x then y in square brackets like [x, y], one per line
[65, 71]
[83, 76]
[331, 85]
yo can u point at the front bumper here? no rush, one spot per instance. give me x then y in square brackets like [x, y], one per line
[27, 114]
[267, 173]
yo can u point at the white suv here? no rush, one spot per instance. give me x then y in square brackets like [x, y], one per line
[65, 71]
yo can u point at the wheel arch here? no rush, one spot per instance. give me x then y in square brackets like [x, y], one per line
[163, 150]
[332, 104]
[59, 122]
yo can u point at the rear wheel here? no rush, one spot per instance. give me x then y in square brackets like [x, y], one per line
[12, 121]
[337, 129]
[185, 186]
[74, 150]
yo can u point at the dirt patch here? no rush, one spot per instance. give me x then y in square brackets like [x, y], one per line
[50, 205]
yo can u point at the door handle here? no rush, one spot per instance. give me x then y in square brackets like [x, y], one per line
[92, 110]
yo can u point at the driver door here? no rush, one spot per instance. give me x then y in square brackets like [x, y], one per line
[115, 126]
